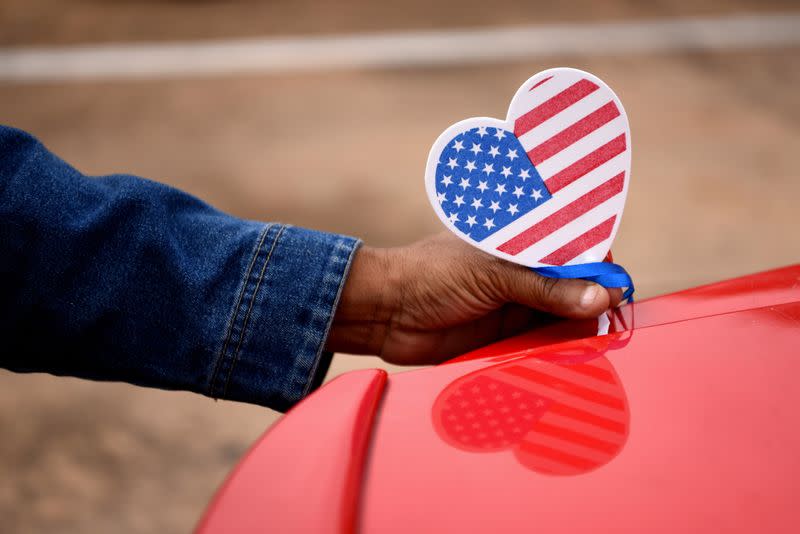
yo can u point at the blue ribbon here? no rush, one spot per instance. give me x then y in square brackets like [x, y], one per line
[601, 272]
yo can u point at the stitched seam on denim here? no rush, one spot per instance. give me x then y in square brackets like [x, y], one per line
[250, 310]
[235, 311]
[234, 325]
[343, 278]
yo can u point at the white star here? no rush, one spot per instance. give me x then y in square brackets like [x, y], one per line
[458, 146]
[512, 154]
[537, 194]
[512, 209]
[482, 185]
[517, 192]
[475, 148]
[494, 207]
[500, 189]
[441, 197]
[482, 131]
[489, 224]
[453, 217]
[453, 163]
[499, 134]
[471, 221]
[477, 203]
[488, 168]
[494, 151]
[506, 172]
[464, 183]
[447, 180]
[459, 200]
[524, 174]
[470, 166]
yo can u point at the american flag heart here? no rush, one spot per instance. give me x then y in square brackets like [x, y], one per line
[547, 186]
[559, 416]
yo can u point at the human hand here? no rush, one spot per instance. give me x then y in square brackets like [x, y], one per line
[441, 297]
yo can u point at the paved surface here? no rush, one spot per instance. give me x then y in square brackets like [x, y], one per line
[714, 194]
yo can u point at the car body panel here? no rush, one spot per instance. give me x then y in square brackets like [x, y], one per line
[304, 474]
[706, 436]
[778, 286]
[681, 418]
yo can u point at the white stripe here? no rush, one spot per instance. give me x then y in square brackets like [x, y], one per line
[563, 397]
[603, 323]
[567, 374]
[581, 148]
[582, 427]
[565, 119]
[576, 189]
[397, 49]
[527, 100]
[598, 251]
[568, 232]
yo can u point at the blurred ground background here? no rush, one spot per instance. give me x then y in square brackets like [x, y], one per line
[714, 194]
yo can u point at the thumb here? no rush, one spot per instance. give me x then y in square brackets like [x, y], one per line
[565, 297]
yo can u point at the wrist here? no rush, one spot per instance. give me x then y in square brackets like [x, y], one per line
[368, 301]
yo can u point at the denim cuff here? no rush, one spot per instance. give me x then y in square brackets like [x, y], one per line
[272, 351]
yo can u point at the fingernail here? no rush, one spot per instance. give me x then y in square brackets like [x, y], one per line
[589, 295]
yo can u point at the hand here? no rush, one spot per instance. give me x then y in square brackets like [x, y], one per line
[441, 297]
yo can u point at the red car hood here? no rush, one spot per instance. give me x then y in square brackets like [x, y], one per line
[681, 418]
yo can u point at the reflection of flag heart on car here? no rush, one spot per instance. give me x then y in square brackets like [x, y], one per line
[547, 186]
[560, 416]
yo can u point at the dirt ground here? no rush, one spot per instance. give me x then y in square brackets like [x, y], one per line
[714, 194]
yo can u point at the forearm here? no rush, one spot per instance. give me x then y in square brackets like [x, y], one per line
[120, 278]
[367, 303]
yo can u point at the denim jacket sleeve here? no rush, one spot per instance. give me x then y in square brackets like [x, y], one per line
[122, 278]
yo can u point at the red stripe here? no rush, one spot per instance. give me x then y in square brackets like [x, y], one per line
[590, 370]
[547, 109]
[578, 438]
[540, 83]
[568, 213]
[570, 388]
[558, 456]
[581, 244]
[587, 417]
[577, 131]
[586, 164]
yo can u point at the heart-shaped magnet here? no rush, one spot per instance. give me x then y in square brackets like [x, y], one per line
[547, 186]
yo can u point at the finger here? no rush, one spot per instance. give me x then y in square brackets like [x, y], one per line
[516, 318]
[418, 348]
[560, 296]
[510, 320]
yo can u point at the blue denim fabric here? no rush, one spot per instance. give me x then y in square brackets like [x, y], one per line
[122, 278]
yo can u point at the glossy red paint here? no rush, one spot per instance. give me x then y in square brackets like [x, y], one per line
[709, 442]
[779, 286]
[771, 288]
[682, 419]
[304, 474]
